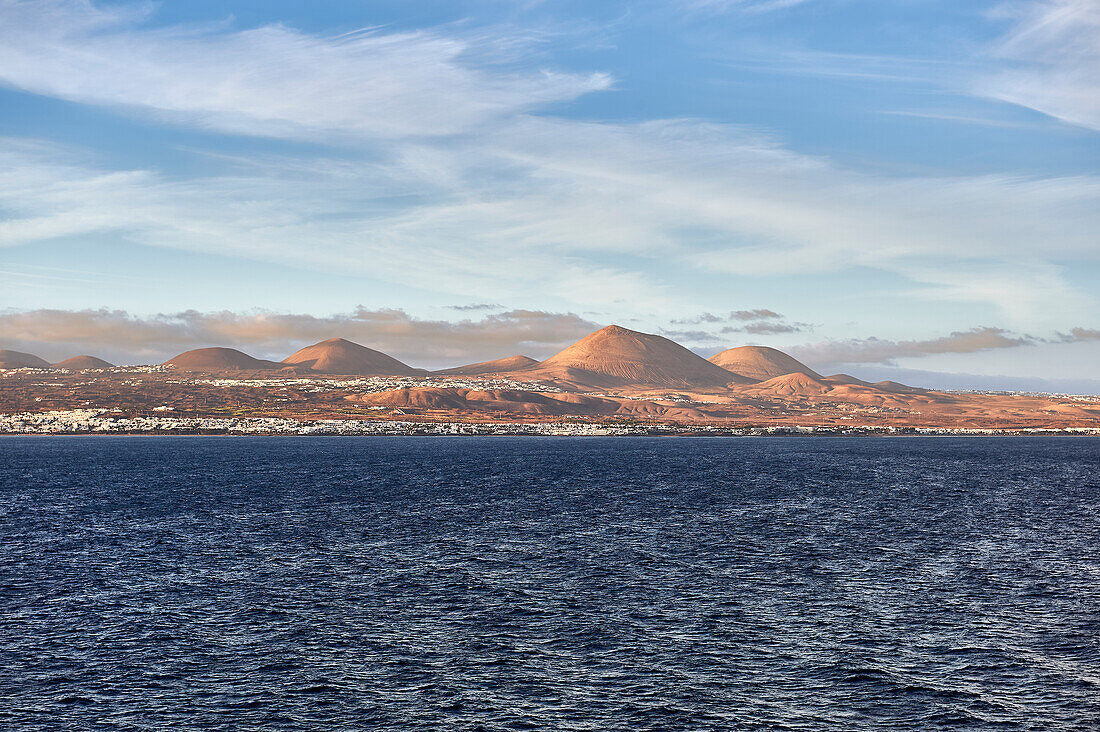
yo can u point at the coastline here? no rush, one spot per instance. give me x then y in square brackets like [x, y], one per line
[81, 426]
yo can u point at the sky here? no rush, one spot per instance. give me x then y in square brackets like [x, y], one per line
[891, 188]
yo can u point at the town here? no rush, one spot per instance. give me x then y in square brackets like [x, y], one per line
[100, 421]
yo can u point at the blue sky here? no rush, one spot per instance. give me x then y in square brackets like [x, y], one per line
[905, 184]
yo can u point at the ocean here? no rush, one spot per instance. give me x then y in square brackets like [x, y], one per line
[509, 583]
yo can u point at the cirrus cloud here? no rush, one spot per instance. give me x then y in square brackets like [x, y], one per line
[1050, 60]
[270, 80]
[446, 181]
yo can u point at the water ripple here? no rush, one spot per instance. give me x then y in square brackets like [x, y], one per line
[566, 584]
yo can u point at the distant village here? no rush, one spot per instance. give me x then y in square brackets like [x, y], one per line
[103, 422]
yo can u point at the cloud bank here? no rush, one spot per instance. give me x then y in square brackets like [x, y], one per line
[975, 340]
[122, 337]
[876, 350]
[271, 80]
[430, 343]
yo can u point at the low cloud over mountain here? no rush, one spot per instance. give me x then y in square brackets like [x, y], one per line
[428, 342]
[878, 350]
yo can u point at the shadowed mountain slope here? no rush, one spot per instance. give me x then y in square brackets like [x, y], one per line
[219, 359]
[80, 363]
[20, 360]
[499, 366]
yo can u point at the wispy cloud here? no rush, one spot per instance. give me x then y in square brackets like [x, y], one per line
[131, 338]
[465, 240]
[877, 350]
[475, 307]
[950, 116]
[768, 327]
[271, 80]
[693, 337]
[473, 196]
[741, 315]
[759, 321]
[746, 6]
[846, 66]
[1050, 60]
[757, 314]
[565, 197]
[1079, 335]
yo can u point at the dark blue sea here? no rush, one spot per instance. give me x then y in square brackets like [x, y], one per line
[560, 584]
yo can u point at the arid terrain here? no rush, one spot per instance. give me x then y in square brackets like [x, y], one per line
[613, 376]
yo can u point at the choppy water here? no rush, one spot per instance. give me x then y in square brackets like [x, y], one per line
[563, 584]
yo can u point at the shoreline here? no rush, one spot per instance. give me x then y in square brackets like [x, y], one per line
[666, 433]
[100, 422]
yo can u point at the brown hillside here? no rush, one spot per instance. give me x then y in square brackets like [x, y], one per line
[339, 356]
[760, 363]
[846, 379]
[499, 366]
[81, 363]
[497, 403]
[796, 384]
[803, 387]
[20, 360]
[219, 359]
[618, 356]
[896, 388]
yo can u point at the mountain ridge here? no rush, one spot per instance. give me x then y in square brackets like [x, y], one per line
[496, 366]
[83, 363]
[218, 358]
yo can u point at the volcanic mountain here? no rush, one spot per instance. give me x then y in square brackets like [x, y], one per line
[338, 356]
[219, 359]
[792, 385]
[499, 366]
[896, 388]
[847, 379]
[81, 363]
[617, 356]
[20, 360]
[760, 363]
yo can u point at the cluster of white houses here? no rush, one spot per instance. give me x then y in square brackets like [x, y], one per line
[98, 421]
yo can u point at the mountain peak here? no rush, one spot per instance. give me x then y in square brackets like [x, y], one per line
[619, 355]
[497, 366]
[81, 363]
[341, 356]
[218, 359]
[760, 363]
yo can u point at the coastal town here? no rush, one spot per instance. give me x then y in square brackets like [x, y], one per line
[106, 422]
